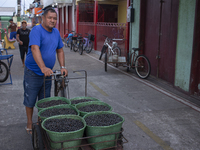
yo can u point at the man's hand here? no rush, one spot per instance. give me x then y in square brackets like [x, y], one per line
[64, 71]
[20, 43]
[47, 71]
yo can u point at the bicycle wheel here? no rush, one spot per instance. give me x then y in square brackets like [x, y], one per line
[103, 50]
[80, 48]
[37, 140]
[68, 43]
[142, 66]
[117, 51]
[84, 44]
[76, 44]
[89, 47]
[71, 45]
[56, 90]
[106, 60]
[3, 72]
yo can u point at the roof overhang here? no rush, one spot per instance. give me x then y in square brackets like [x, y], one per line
[7, 11]
[53, 2]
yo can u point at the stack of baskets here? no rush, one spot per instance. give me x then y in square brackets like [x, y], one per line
[77, 104]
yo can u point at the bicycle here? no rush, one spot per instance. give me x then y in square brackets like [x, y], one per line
[88, 43]
[61, 87]
[68, 38]
[60, 84]
[140, 62]
[77, 42]
[4, 71]
[112, 52]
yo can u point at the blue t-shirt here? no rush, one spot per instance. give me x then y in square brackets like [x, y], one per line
[48, 43]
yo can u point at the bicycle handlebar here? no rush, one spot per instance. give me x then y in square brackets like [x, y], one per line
[57, 72]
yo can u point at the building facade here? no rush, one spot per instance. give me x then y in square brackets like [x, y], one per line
[167, 31]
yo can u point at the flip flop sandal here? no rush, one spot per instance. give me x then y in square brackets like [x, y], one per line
[29, 131]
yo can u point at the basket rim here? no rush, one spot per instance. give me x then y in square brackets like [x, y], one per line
[93, 102]
[103, 112]
[64, 116]
[57, 106]
[49, 99]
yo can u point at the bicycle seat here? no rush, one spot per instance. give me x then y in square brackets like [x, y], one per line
[136, 49]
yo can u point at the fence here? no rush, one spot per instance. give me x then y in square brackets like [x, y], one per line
[112, 30]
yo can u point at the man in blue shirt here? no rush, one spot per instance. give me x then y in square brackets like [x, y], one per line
[44, 43]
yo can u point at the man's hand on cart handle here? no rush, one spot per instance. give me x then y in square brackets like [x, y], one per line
[64, 72]
[46, 71]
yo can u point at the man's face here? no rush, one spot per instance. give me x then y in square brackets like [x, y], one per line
[50, 20]
[24, 25]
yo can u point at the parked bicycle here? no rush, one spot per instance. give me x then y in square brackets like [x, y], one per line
[88, 43]
[112, 52]
[3, 71]
[68, 38]
[140, 63]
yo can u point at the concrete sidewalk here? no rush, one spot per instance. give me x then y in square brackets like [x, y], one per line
[156, 115]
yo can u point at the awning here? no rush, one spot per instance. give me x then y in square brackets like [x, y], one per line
[6, 13]
[50, 2]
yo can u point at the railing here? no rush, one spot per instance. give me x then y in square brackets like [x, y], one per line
[112, 30]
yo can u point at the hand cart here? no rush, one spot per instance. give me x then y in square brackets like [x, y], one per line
[41, 140]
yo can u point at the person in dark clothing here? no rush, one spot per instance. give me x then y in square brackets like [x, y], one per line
[23, 39]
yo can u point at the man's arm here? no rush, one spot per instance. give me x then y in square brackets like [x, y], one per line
[61, 60]
[38, 59]
[18, 40]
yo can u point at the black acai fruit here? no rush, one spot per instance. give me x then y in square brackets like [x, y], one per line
[94, 107]
[58, 111]
[51, 103]
[63, 125]
[73, 102]
[102, 120]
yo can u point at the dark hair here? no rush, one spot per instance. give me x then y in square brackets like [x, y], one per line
[11, 20]
[49, 9]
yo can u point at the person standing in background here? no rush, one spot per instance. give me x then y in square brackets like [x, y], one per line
[23, 40]
[13, 27]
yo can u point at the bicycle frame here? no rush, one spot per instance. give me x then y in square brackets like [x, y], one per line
[61, 83]
[132, 58]
[110, 48]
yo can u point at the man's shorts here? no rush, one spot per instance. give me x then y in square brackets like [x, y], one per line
[13, 35]
[34, 87]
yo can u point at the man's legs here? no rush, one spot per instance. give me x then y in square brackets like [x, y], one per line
[23, 51]
[32, 86]
[29, 114]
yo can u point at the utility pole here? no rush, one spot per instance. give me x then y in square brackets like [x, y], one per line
[24, 9]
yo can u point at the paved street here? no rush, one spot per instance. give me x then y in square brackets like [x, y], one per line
[157, 116]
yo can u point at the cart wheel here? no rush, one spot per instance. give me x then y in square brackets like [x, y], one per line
[37, 138]
[120, 141]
